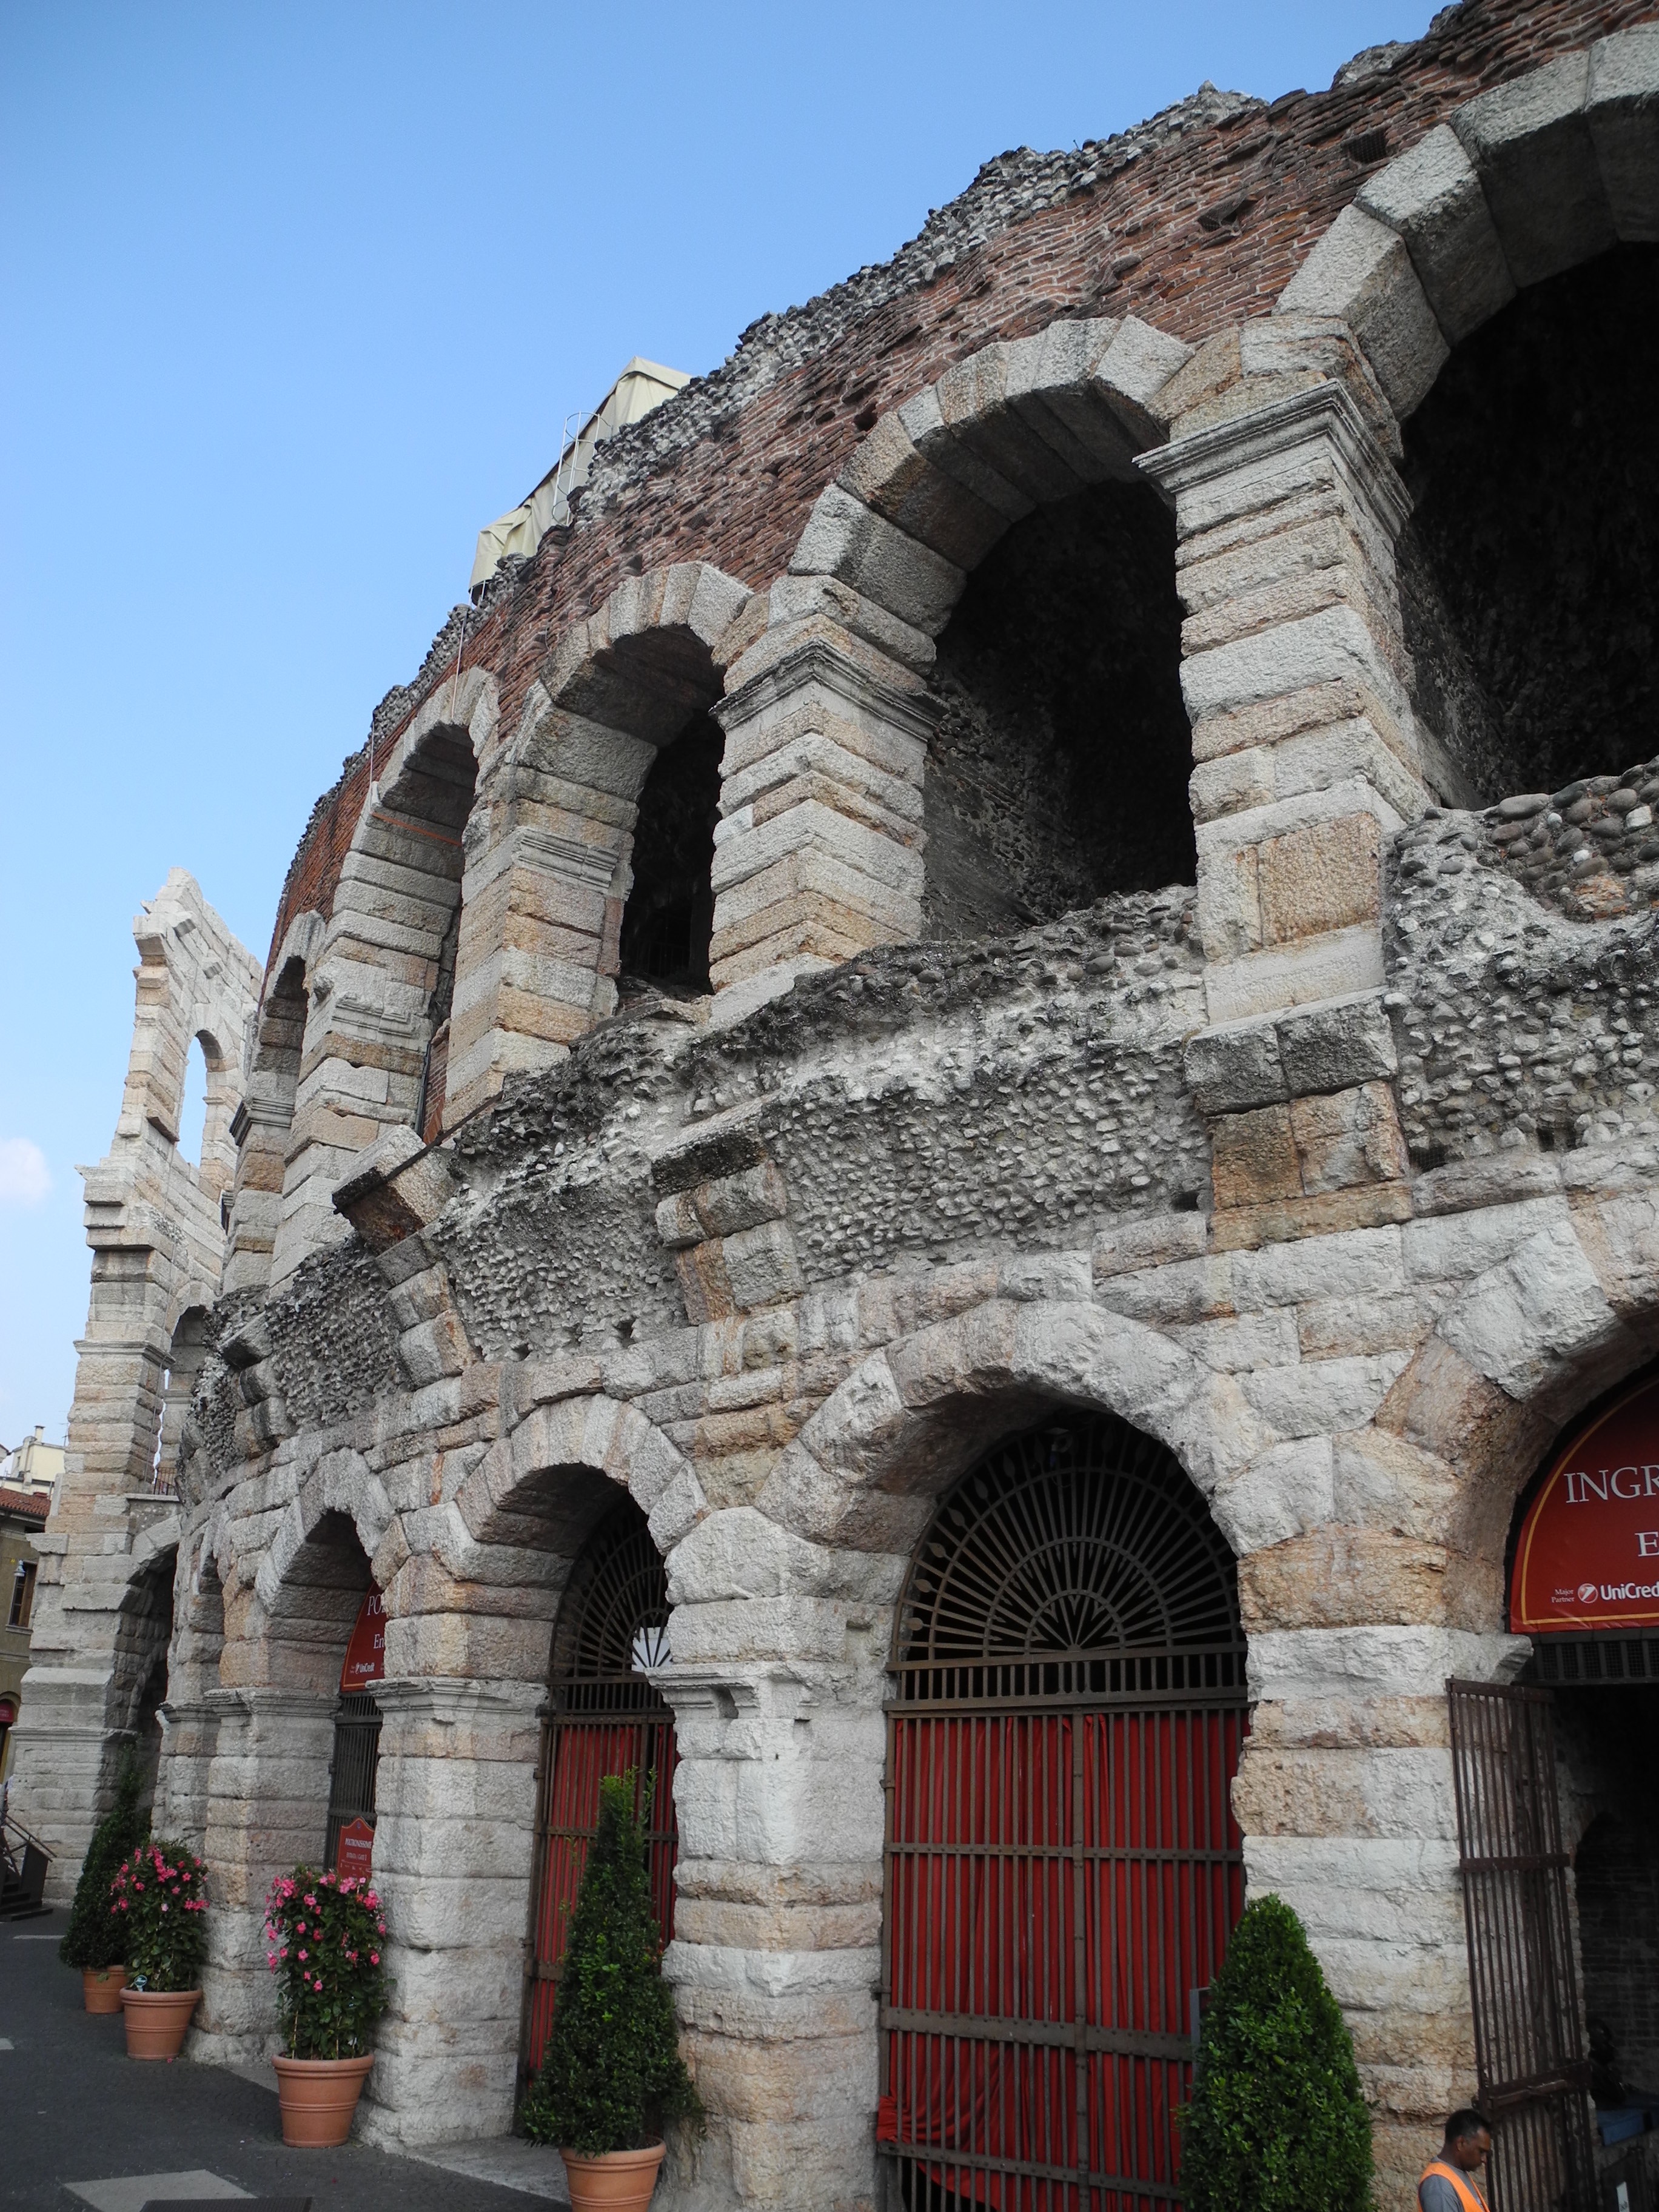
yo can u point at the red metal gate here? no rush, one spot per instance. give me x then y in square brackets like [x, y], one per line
[1062, 1868]
[605, 1718]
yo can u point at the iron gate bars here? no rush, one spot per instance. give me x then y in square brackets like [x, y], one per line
[1529, 2040]
[605, 1718]
[1062, 1872]
[352, 1768]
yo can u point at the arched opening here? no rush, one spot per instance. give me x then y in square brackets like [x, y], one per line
[178, 1387]
[414, 834]
[1062, 1870]
[669, 915]
[605, 1718]
[193, 1112]
[1058, 773]
[143, 1635]
[1558, 1833]
[1529, 568]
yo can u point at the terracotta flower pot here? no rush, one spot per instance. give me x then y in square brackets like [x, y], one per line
[617, 2180]
[101, 1987]
[156, 2020]
[319, 2096]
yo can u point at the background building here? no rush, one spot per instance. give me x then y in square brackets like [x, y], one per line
[28, 1481]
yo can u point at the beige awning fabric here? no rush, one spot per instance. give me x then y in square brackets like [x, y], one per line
[642, 385]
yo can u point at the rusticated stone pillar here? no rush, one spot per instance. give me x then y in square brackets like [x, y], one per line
[1308, 759]
[454, 1847]
[267, 1808]
[818, 855]
[777, 1956]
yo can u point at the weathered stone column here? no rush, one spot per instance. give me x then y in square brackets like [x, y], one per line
[1307, 760]
[1344, 1794]
[776, 1955]
[267, 1809]
[818, 855]
[454, 1847]
[189, 1734]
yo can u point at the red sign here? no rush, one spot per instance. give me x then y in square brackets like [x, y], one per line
[365, 1659]
[1589, 1554]
[354, 1854]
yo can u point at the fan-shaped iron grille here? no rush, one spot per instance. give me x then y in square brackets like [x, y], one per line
[1062, 1870]
[1075, 1560]
[606, 1718]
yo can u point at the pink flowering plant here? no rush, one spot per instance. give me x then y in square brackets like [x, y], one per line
[326, 1935]
[158, 1896]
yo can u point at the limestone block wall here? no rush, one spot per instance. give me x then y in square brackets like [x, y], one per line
[101, 1618]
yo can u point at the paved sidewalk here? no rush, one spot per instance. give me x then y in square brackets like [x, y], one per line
[83, 2125]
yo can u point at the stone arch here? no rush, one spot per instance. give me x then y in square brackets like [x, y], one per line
[1498, 278]
[1518, 185]
[381, 981]
[1568, 1310]
[866, 1471]
[828, 719]
[549, 855]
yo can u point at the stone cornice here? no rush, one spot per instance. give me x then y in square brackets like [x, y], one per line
[816, 661]
[1326, 410]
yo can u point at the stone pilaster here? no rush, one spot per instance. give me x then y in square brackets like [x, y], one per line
[818, 854]
[267, 1808]
[454, 1849]
[1307, 760]
[776, 1957]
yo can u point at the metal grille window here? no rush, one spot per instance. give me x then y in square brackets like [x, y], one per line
[605, 1718]
[1062, 1868]
[1529, 2045]
[352, 1769]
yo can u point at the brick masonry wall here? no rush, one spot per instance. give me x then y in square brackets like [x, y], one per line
[1193, 220]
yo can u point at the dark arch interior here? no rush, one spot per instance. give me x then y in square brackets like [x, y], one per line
[1059, 772]
[1609, 1739]
[669, 914]
[142, 1636]
[1528, 571]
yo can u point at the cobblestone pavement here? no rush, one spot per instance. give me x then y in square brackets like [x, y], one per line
[79, 2119]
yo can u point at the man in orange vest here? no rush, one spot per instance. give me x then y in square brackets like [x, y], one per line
[1448, 2183]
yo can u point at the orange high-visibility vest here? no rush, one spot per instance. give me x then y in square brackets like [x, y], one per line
[1468, 2195]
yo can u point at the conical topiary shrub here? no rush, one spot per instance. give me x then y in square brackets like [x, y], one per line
[612, 2072]
[96, 1937]
[1277, 2123]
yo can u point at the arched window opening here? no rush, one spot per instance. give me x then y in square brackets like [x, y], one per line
[193, 1112]
[1529, 568]
[416, 829]
[1062, 1870]
[1058, 774]
[606, 1718]
[669, 915]
[178, 1387]
[143, 1635]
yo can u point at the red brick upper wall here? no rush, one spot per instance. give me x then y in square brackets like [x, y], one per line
[1191, 222]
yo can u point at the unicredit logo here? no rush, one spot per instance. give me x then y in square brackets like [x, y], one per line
[1612, 1592]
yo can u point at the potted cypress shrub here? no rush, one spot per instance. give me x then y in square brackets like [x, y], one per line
[325, 1935]
[161, 1892]
[1277, 2123]
[95, 1939]
[612, 2074]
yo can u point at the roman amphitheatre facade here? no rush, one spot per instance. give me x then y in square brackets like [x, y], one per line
[936, 1134]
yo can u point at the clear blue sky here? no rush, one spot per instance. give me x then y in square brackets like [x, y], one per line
[296, 297]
